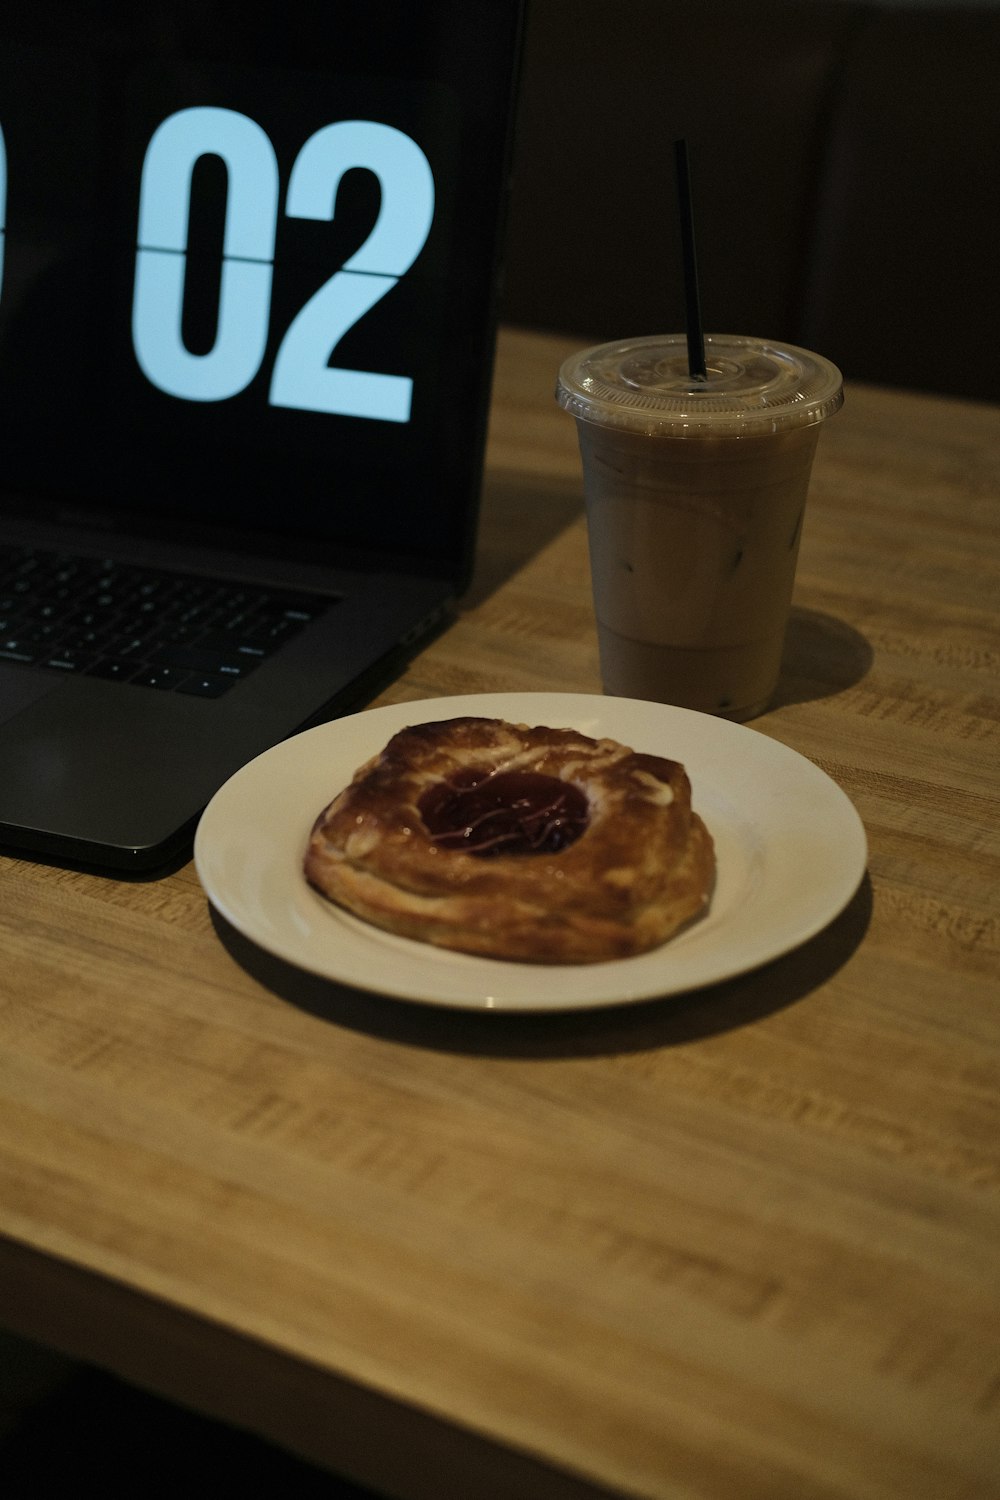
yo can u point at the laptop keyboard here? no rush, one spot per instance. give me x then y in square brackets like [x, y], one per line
[142, 626]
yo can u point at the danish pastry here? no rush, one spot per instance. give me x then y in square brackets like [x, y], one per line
[535, 844]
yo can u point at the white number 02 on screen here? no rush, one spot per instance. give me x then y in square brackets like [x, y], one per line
[302, 377]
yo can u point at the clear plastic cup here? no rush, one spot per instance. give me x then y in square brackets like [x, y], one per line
[695, 494]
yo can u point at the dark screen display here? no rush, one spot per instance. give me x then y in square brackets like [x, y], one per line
[248, 261]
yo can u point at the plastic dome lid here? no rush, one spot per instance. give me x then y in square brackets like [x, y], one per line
[754, 386]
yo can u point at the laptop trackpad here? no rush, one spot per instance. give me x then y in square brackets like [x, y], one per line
[18, 689]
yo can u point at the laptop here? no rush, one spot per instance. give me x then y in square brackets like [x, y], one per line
[247, 308]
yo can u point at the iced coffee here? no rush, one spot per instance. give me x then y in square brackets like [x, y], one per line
[695, 494]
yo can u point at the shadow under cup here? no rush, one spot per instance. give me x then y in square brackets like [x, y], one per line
[695, 494]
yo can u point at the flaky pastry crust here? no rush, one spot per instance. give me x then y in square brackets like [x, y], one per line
[642, 867]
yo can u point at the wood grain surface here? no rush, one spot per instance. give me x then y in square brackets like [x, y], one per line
[738, 1244]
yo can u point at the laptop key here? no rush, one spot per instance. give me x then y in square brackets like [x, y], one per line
[158, 677]
[85, 640]
[66, 661]
[131, 645]
[16, 650]
[206, 686]
[113, 670]
[194, 659]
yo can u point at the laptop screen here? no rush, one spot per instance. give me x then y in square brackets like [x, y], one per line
[248, 265]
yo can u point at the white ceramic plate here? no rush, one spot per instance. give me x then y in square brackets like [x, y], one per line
[790, 848]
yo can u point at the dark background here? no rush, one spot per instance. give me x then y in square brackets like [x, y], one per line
[846, 167]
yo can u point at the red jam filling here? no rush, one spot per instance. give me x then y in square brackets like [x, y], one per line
[487, 812]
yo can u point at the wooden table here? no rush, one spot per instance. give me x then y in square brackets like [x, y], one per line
[741, 1244]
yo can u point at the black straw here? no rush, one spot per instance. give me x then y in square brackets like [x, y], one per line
[692, 298]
